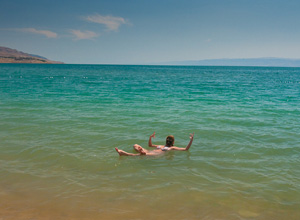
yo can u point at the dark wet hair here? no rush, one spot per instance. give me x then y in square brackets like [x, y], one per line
[170, 140]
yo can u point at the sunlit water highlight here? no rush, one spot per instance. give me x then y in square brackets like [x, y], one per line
[59, 125]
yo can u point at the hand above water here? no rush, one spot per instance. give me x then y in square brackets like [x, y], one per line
[192, 136]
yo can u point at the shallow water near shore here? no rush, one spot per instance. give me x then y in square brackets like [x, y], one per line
[59, 125]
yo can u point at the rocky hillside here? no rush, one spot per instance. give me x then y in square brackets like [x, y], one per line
[8, 55]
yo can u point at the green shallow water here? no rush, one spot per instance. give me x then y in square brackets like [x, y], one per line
[59, 125]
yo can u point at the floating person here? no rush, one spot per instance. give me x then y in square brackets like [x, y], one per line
[159, 148]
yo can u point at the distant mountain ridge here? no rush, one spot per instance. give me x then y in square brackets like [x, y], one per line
[8, 55]
[268, 62]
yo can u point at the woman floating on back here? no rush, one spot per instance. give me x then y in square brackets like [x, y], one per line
[159, 149]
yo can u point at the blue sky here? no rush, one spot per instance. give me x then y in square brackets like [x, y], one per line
[152, 31]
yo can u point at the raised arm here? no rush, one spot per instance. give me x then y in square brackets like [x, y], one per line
[187, 147]
[150, 140]
[191, 141]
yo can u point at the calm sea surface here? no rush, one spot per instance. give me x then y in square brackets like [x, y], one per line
[59, 125]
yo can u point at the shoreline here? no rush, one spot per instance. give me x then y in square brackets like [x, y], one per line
[114, 205]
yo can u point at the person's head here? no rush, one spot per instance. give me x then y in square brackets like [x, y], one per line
[170, 140]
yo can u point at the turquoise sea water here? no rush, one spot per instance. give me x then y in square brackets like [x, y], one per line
[59, 125]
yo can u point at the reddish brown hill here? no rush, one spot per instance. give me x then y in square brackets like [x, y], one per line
[8, 55]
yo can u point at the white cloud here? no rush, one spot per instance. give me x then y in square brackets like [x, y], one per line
[46, 33]
[111, 23]
[81, 35]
